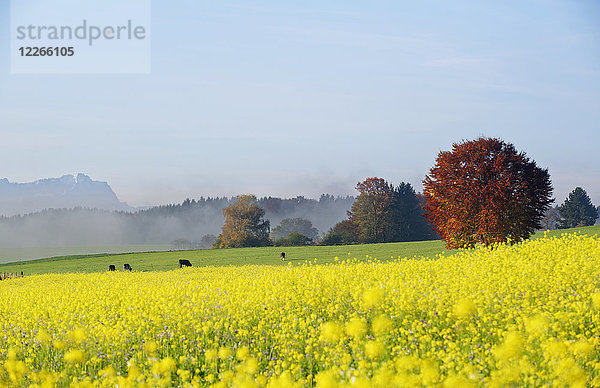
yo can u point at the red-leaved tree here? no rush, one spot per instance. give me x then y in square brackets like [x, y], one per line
[484, 191]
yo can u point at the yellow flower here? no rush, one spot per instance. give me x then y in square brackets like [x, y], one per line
[331, 332]
[150, 346]
[537, 325]
[362, 382]
[596, 300]
[554, 349]
[582, 348]
[374, 349]
[108, 372]
[284, 381]
[356, 327]
[242, 353]
[211, 355]
[250, 365]
[327, 379]
[454, 381]
[511, 348]
[381, 325]
[429, 372]
[224, 353]
[74, 356]
[530, 320]
[373, 297]
[78, 335]
[43, 337]
[133, 371]
[464, 308]
[383, 377]
[163, 366]
[406, 363]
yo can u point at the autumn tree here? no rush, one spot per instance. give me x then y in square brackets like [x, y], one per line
[485, 192]
[577, 210]
[344, 232]
[244, 225]
[371, 212]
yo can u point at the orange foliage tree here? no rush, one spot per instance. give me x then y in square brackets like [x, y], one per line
[485, 192]
[244, 225]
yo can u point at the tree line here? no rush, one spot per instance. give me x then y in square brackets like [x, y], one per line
[380, 213]
[383, 212]
[576, 211]
[191, 224]
[482, 192]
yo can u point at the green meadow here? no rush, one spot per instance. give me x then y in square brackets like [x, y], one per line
[163, 261]
[11, 255]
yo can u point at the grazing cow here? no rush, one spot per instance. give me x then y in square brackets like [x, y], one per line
[283, 256]
[111, 268]
[184, 262]
[126, 267]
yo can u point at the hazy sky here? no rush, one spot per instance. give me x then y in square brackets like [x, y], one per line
[311, 97]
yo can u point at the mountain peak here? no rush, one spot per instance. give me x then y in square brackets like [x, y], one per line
[82, 178]
[68, 191]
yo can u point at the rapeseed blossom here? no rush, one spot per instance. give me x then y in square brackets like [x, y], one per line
[381, 325]
[372, 297]
[521, 315]
[356, 327]
[464, 308]
[74, 355]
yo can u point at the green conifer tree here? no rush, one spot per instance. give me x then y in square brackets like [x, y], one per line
[577, 210]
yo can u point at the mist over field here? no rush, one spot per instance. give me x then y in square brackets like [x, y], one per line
[77, 211]
[190, 220]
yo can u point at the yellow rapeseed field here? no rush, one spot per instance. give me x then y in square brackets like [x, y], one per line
[522, 315]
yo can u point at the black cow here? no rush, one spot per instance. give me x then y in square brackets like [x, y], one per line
[111, 268]
[126, 267]
[282, 255]
[184, 263]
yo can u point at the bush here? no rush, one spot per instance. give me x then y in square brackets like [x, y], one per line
[290, 225]
[294, 240]
[344, 232]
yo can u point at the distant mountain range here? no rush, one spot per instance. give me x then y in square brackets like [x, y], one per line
[68, 191]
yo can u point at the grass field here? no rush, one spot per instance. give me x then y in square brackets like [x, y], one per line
[10, 255]
[161, 261]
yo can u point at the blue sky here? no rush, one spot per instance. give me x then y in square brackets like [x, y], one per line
[299, 99]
